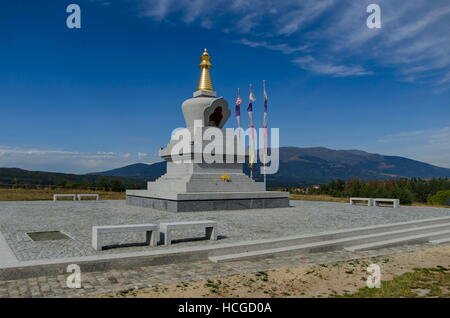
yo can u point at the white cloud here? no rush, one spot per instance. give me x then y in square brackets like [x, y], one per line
[429, 145]
[68, 161]
[307, 12]
[142, 155]
[414, 39]
[283, 47]
[102, 2]
[309, 63]
[158, 9]
[446, 78]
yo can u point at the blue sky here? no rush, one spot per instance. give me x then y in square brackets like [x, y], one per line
[110, 93]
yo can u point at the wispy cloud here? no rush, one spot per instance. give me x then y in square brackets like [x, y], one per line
[104, 3]
[68, 161]
[309, 63]
[414, 40]
[439, 135]
[306, 12]
[430, 145]
[283, 47]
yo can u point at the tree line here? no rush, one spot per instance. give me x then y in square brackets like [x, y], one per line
[18, 177]
[114, 184]
[407, 190]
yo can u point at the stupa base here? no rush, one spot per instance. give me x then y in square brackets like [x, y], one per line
[208, 201]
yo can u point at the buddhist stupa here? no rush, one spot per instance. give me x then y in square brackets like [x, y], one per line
[193, 183]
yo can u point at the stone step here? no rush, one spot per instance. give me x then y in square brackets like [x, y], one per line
[262, 244]
[324, 245]
[440, 241]
[282, 251]
[414, 239]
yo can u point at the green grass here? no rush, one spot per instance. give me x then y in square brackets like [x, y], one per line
[262, 276]
[421, 282]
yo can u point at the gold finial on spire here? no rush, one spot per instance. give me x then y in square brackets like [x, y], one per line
[205, 84]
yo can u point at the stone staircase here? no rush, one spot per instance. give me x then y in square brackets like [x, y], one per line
[435, 231]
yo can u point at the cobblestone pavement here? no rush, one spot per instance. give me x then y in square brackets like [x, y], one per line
[76, 218]
[97, 283]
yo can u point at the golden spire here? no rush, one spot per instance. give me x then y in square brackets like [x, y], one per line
[205, 84]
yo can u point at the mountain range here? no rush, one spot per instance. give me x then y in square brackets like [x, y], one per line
[298, 167]
[308, 166]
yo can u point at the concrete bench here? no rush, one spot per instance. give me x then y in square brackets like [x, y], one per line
[166, 228]
[89, 195]
[369, 201]
[152, 233]
[395, 202]
[56, 196]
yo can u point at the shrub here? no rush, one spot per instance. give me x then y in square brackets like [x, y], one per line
[440, 198]
[405, 195]
[117, 185]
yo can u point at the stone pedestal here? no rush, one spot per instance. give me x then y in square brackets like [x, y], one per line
[200, 187]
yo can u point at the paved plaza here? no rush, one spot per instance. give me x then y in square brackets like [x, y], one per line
[76, 218]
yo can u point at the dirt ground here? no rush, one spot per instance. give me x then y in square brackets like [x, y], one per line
[307, 281]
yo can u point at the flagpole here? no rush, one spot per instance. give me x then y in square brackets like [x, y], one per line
[252, 125]
[265, 188]
[265, 133]
[251, 139]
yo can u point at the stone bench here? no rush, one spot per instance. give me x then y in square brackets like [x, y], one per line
[166, 228]
[56, 196]
[369, 201]
[150, 229]
[91, 195]
[395, 202]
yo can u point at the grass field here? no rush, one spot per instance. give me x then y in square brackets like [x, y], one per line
[47, 194]
[421, 282]
[317, 197]
[327, 198]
